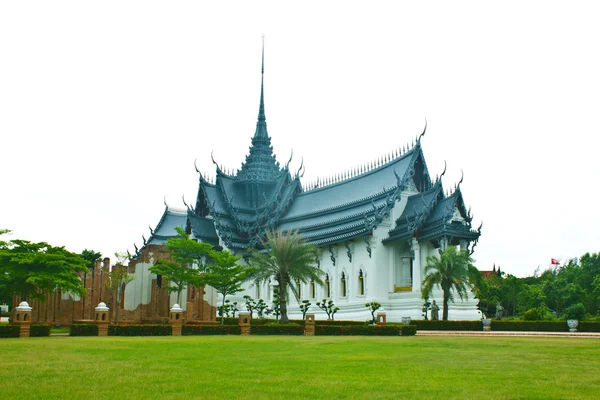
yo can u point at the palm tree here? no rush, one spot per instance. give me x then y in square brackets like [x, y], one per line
[449, 271]
[289, 260]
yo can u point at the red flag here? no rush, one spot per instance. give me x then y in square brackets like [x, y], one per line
[554, 261]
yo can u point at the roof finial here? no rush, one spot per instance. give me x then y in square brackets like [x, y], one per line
[261, 109]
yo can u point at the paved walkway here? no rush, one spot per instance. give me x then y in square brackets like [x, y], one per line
[593, 335]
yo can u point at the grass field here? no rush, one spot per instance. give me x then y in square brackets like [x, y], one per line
[231, 367]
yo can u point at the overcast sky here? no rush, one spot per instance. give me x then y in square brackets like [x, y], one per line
[105, 105]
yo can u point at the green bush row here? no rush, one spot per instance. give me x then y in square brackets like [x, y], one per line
[344, 323]
[5, 314]
[366, 330]
[189, 330]
[278, 329]
[9, 331]
[425, 325]
[84, 330]
[38, 330]
[139, 330]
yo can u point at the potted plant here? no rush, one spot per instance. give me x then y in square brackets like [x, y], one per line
[574, 313]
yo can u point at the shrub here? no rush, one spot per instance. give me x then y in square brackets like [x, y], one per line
[189, 330]
[591, 326]
[344, 323]
[277, 329]
[84, 330]
[408, 330]
[38, 330]
[425, 325]
[9, 331]
[139, 330]
[5, 314]
[576, 311]
[532, 314]
[364, 330]
[523, 326]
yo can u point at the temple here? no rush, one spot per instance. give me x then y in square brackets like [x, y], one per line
[375, 226]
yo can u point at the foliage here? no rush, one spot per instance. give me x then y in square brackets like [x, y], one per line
[224, 274]
[337, 323]
[575, 311]
[139, 330]
[427, 325]
[9, 331]
[449, 271]
[278, 329]
[91, 257]
[189, 330]
[304, 307]
[289, 260]
[372, 307]
[329, 307]
[34, 269]
[84, 330]
[227, 308]
[118, 279]
[188, 262]
[533, 326]
[260, 307]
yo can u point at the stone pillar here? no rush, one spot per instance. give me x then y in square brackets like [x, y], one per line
[176, 320]
[23, 318]
[309, 325]
[244, 323]
[381, 318]
[101, 319]
[189, 312]
[416, 277]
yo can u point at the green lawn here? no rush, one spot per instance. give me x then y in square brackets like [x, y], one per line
[283, 367]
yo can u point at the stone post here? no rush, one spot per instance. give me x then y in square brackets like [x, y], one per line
[101, 319]
[381, 318]
[175, 320]
[244, 323]
[309, 325]
[23, 319]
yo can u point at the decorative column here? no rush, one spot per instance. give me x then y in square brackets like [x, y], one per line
[101, 319]
[175, 319]
[309, 325]
[23, 319]
[244, 323]
[381, 318]
[416, 266]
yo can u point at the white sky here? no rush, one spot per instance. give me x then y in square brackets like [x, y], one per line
[105, 105]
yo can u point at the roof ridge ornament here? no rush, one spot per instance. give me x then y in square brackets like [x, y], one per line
[423, 133]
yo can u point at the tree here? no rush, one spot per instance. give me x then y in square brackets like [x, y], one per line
[188, 262]
[35, 269]
[261, 306]
[118, 279]
[250, 305]
[450, 272]
[91, 257]
[329, 308]
[289, 260]
[374, 306]
[224, 274]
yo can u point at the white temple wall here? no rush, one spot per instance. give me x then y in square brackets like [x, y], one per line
[139, 290]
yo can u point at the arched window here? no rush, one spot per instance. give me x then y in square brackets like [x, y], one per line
[343, 281]
[313, 293]
[327, 286]
[361, 283]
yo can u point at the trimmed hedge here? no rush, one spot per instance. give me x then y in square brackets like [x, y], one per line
[329, 322]
[38, 330]
[277, 329]
[84, 330]
[189, 330]
[366, 330]
[9, 331]
[521, 326]
[5, 314]
[588, 326]
[139, 330]
[425, 325]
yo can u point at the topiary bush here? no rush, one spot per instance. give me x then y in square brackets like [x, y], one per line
[426, 325]
[189, 330]
[576, 311]
[84, 330]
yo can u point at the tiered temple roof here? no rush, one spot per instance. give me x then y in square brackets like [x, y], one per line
[238, 207]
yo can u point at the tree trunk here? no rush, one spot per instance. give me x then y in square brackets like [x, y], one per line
[223, 313]
[283, 303]
[445, 311]
[179, 297]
